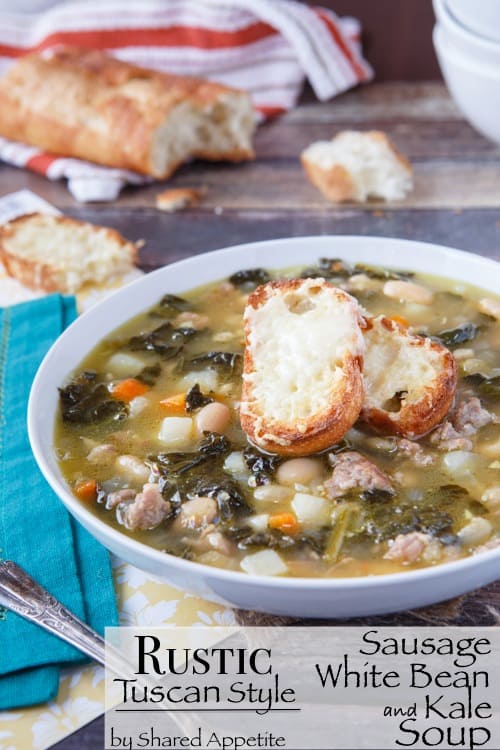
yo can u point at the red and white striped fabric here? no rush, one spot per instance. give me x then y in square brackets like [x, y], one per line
[267, 47]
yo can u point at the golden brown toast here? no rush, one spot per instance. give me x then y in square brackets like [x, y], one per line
[302, 378]
[410, 381]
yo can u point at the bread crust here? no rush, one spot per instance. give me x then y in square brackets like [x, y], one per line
[320, 431]
[415, 419]
[176, 199]
[336, 182]
[42, 275]
[86, 104]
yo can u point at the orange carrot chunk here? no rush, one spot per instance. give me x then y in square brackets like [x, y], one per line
[86, 490]
[400, 321]
[285, 522]
[128, 389]
[175, 404]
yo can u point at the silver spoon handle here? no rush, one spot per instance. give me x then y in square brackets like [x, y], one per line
[24, 596]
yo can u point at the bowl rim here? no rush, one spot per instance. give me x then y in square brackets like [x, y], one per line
[444, 46]
[449, 20]
[79, 511]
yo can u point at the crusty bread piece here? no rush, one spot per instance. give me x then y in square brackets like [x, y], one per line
[60, 254]
[86, 104]
[410, 381]
[302, 376]
[177, 199]
[356, 166]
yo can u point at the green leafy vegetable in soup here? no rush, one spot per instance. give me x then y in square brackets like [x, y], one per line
[148, 437]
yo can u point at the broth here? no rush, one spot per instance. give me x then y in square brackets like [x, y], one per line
[126, 429]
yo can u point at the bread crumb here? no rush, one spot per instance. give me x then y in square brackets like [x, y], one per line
[177, 199]
[358, 166]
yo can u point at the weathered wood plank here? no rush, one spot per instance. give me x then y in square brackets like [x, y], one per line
[281, 185]
[173, 237]
[383, 101]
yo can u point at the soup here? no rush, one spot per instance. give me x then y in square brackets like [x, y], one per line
[148, 437]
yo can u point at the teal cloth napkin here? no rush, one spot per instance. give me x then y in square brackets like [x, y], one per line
[36, 531]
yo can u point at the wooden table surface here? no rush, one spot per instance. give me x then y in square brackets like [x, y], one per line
[456, 202]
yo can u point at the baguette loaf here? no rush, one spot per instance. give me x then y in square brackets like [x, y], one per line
[302, 376]
[60, 254]
[85, 104]
[356, 166]
[410, 381]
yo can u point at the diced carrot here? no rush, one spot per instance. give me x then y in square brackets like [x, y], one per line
[86, 490]
[400, 321]
[285, 522]
[175, 404]
[128, 389]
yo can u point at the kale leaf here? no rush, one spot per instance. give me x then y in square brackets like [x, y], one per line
[250, 278]
[86, 400]
[383, 274]
[225, 361]
[489, 386]
[439, 513]
[165, 340]
[150, 374]
[328, 268]
[458, 335]
[262, 466]
[178, 463]
[195, 399]
[169, 306]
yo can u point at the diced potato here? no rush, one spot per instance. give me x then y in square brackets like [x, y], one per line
[137, 405]
[206, 379]
[176, 432]
[491, 448]
[407, 291]
[259, 522]
[490, 307]
[123, 364]
[491, 497]
[476, 531]
[132, 467]
[459, 463]
[470, 366]
[235, 463]
[272, 493]
[267, 562]
[310, 510]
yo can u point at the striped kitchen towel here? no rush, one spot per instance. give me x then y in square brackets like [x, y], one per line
[268, 47]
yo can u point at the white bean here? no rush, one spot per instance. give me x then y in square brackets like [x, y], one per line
[476, 531]
[214, 417]
[198, 512]
[470, 366]
[490, 307]
[461, 354]
[104, 454]
[491, 497]
[490, 449]
[407, 291]
[299, 471]
[133, 466]
[272, 493]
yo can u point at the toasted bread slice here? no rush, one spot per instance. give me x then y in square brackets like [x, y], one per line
[410, 381]
[60, 254]
[356, 166]
[302, 377]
